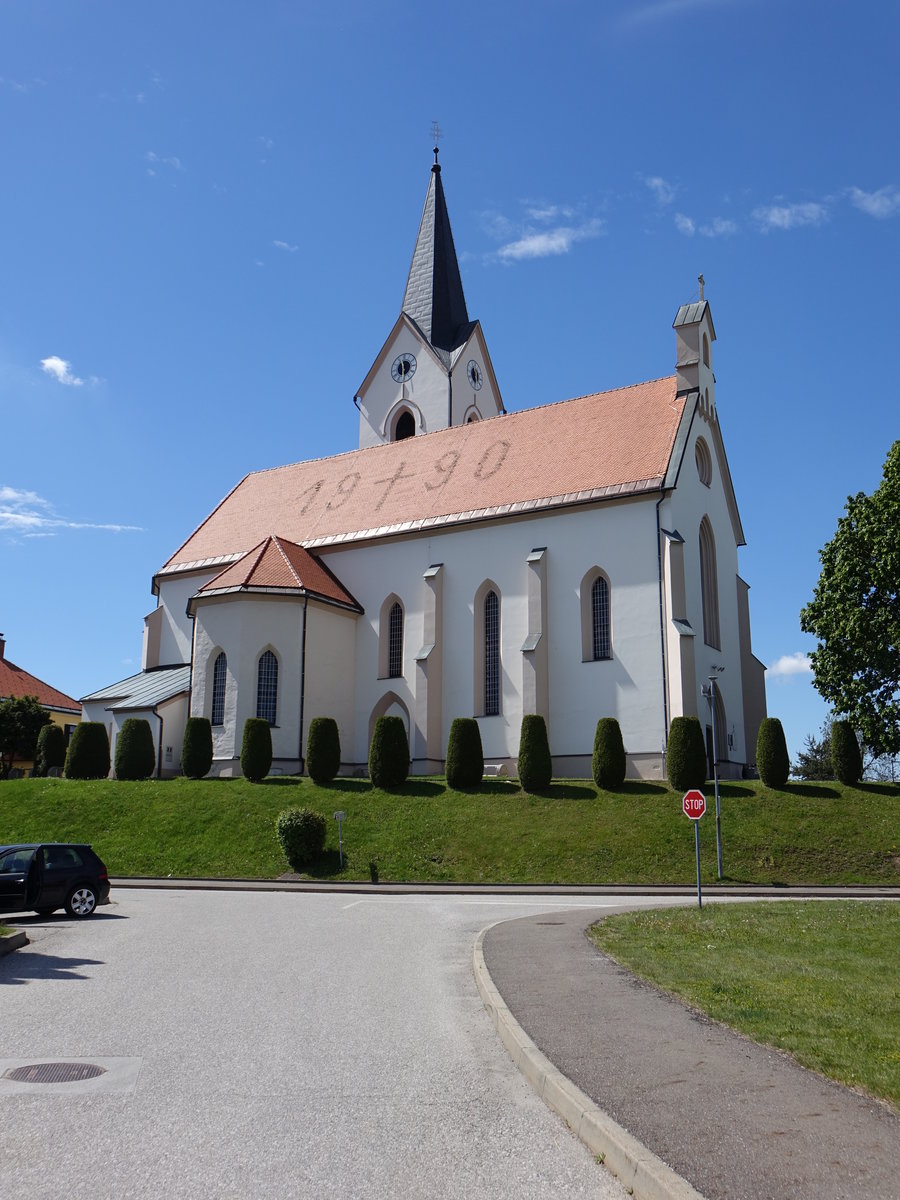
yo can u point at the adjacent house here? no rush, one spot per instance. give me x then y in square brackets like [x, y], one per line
[16, 682]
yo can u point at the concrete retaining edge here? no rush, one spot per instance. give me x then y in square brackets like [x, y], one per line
[13, 941]
[648, 1177]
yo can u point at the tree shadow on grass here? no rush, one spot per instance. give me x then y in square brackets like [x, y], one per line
[419, 787]
[878, 789]
[643, 787]
[349, 785]
[326, 865]
[571, 791]
[733, 790]
[815, 791]
[282, 780]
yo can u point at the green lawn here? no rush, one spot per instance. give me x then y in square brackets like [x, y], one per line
[806, 834]
[816, 978]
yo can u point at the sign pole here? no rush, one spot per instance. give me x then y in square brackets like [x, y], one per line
[697, 845]
[340, 817]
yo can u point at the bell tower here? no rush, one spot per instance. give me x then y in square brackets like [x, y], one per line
[434, 370]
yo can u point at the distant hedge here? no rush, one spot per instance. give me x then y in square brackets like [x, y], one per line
[845, 754]
[135, 753]
[608, 763]
[197, 748]
[772, 761]
[389, 753]
[323, 750]
[256, 749]
[535, 763]
[465, 757]
[686, 754]
[88, 753]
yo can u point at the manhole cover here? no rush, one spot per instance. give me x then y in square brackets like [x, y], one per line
[57, 1072]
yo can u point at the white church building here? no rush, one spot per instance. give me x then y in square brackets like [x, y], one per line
[577, 560]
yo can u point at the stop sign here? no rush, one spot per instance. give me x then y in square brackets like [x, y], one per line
[694, 804]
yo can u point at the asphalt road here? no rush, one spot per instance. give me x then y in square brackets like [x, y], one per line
[263, 1044]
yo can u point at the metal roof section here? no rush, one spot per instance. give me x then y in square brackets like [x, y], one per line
[434, 296]
[144, 690]
[692, 314]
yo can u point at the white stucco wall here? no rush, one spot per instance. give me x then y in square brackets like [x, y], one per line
[426, 394]
[175, 626]
[330, 680]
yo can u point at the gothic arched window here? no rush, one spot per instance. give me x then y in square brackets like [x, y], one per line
[709, 585]
[395, 641]
[267, 687]
[491, 654]
[220, 670]
[600, 619]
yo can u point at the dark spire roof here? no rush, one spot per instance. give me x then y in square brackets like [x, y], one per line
[434, 293]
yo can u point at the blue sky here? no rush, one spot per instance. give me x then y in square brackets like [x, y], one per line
[209, 210]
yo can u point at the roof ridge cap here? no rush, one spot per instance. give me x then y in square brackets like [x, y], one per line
[290, 566]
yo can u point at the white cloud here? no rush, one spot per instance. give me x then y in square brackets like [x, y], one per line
[789, 216]
[883, 203]
[265, 142]
[547, 242]
[719, 227]
[684, 225]
[661, 10]
[790, 664]
[30, 515]
[60, 370]
[173, 162]
[548, 212]
[661, 188]
[286, 246]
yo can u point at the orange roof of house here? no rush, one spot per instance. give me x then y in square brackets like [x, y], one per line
[279, 564]
[14, 683]
[607, 444]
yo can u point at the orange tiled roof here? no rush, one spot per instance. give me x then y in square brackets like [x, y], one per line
[610, 443]
[14, 682]
[276, 563]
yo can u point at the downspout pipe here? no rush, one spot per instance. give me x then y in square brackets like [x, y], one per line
[302, 683]
[159, 749]
[662, 624]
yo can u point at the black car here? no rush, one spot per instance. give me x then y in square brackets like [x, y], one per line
[44, 876]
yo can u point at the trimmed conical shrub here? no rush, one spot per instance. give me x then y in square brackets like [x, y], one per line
[535, 763]
[608, 763]
[465, 756]
[197, 748]
[323, 750]
[256, 749]
[135, 753]
[772, 761]
[389, 753]
[51, 749]
[845, 756]
[88, 753]
[686, 754]
[301, 832]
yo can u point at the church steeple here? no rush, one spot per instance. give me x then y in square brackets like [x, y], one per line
[434, 296]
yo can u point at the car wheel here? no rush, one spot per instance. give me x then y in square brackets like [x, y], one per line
[44, 912]
[81, 901]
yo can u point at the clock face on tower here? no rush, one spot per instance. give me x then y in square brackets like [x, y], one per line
[404, 367]
[474, 373]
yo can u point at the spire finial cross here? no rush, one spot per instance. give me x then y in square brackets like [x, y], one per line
[702, 283]
[436, 135]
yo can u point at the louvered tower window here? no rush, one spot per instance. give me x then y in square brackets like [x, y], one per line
[267, 687]
[600, 617]
[395, 642]
[491, 655]
[220, 669]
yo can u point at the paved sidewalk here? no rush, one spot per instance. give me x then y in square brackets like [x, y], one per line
[738, 1121]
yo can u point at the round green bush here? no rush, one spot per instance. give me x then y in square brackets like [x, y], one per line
[686, 754]
[51, 749]
[608, 763]
[845, 756]
[256, 749]
[389, 753]
[135, 753]
[301, 832]
[535, 763]
[465, 758]
[88, 753]
[323, 750]
[772, 761]
[197, 748]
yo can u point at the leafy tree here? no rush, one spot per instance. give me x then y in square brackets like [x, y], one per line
[323, 750]
[608, 763]
[772, 760]
[846, 757]
[88, 753]
[855, 614]
[21, 720]
[256, 749]
[389, 753]
[197, 748]
[465, 756]
[50, 751]
[535, 762]
[135, 753]
[814, 760]
[686, 754]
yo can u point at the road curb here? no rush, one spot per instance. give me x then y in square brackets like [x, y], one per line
[648, 1177]
[13, 941]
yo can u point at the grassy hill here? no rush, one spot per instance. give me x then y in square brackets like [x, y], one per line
[808, 833]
